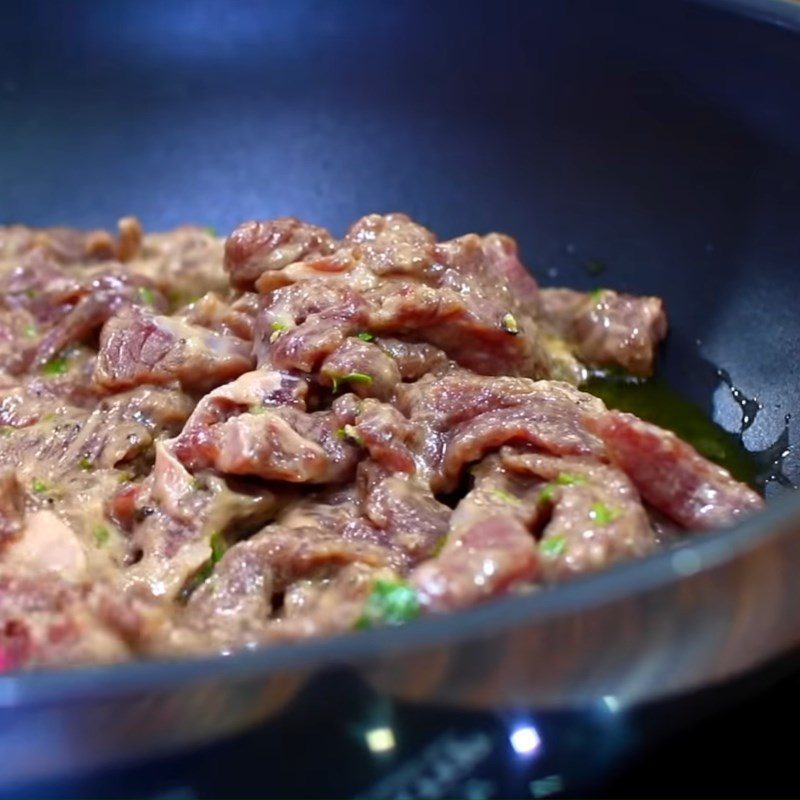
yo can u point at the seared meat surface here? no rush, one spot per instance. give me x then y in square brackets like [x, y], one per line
[208, 444]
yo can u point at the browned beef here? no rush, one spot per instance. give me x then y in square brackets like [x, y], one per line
[210, 444]
[138, 347]
[414, 359]
[413, 522]
[607, 329]
[672, 475]
[462, 416]
[230, 319]
[386, 434]
[256, 248]
[47, 621]
[362, 367]
[275, 444]
[489, 548]
[178, 514]
[596, 515]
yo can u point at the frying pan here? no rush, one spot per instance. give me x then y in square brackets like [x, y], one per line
[660, 138]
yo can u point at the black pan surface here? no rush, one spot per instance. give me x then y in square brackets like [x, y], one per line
[661, 139]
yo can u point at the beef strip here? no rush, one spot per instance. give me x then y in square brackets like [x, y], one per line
[607, 329]
[177, 516]
[489, 547]
[672, 475]
[461, 416]
[597, 518]
[47, 621]
[138, 347]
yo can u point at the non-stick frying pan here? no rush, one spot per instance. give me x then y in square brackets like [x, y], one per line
[660, 138]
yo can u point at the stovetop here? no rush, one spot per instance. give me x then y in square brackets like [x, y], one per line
[735, 741]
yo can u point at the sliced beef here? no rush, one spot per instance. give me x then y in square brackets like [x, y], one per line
[74, 442]
[304, 323]
[199, 458]
[178, 515]
[138, 347]
[596, 515]
[462, 416]
[47, 621]
[672, 476]
[256, 248]
[413, 522]
[386, 434]
[281, 444]
[362, 367]
[489, 548]
[414, 359]
[607, 329]
[229, 319]
[470, 296]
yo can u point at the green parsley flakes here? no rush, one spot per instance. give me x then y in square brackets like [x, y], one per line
[389, 603]
[351, 377]
[146, 295]
[553, 546]
[101, 535]
[506, 497]
[350, 434]
[602, 514]
[57, 365]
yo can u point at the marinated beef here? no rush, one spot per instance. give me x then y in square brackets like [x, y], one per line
[210, 444]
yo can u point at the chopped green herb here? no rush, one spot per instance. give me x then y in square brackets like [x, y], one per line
[218, 547]
[57, 365]
[547, 493]
[366, 336]
[86, 463]
[146, 295]
[569, 479]
[596, 295]
[510, 325]
[124, 477]
[199, 485]
[602, 514]
[30, 331]
[553, 546]
[210, 230]
[350, 433]
[351, 377]
[278, 328]
[390, 603]
[257, 409]
[6, 430]
[30, 293]
[101, 535]
[506, 496]
[38, 486]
